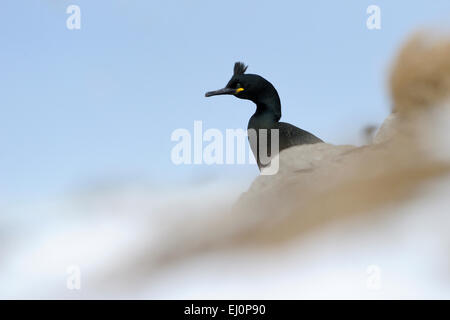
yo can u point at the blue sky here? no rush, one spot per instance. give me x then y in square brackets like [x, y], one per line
[102, 102]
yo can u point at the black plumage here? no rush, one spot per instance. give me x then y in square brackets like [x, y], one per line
[268, 111]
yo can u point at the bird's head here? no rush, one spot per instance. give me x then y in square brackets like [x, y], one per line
[246, 86]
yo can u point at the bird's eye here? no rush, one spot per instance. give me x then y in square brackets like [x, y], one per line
[238, 85]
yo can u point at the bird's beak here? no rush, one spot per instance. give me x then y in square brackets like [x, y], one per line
[221, 91]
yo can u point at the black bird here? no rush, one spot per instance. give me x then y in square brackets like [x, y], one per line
[268, 110]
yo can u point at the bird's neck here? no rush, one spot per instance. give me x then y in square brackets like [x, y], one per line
[268, 107]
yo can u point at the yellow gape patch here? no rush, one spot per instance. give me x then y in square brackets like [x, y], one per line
[239, 90]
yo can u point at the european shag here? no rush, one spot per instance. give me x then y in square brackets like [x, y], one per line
[268, 110]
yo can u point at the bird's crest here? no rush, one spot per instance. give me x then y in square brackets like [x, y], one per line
[239, 68]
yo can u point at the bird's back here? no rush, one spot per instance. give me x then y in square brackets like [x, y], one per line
[290, 135]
